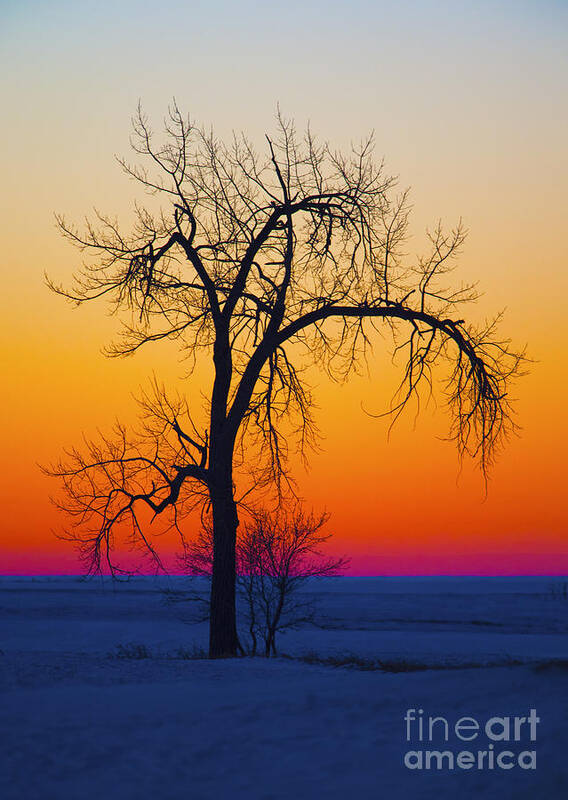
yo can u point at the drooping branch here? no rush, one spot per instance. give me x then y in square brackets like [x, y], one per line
[482, 367]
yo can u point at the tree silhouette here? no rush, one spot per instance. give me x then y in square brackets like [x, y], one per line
[266, 264]
[276, 554]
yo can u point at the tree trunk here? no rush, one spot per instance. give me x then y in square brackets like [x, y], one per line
[223, 639]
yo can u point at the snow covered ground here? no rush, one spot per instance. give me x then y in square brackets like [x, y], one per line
[78, 722]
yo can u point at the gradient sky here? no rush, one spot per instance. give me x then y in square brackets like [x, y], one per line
[468, 102]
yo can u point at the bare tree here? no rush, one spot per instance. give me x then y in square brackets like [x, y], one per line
[266, 264]
[276, 555]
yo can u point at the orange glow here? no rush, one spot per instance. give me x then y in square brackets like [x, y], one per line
[493, 152]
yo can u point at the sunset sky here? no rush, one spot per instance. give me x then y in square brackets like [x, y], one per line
[468, 105]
